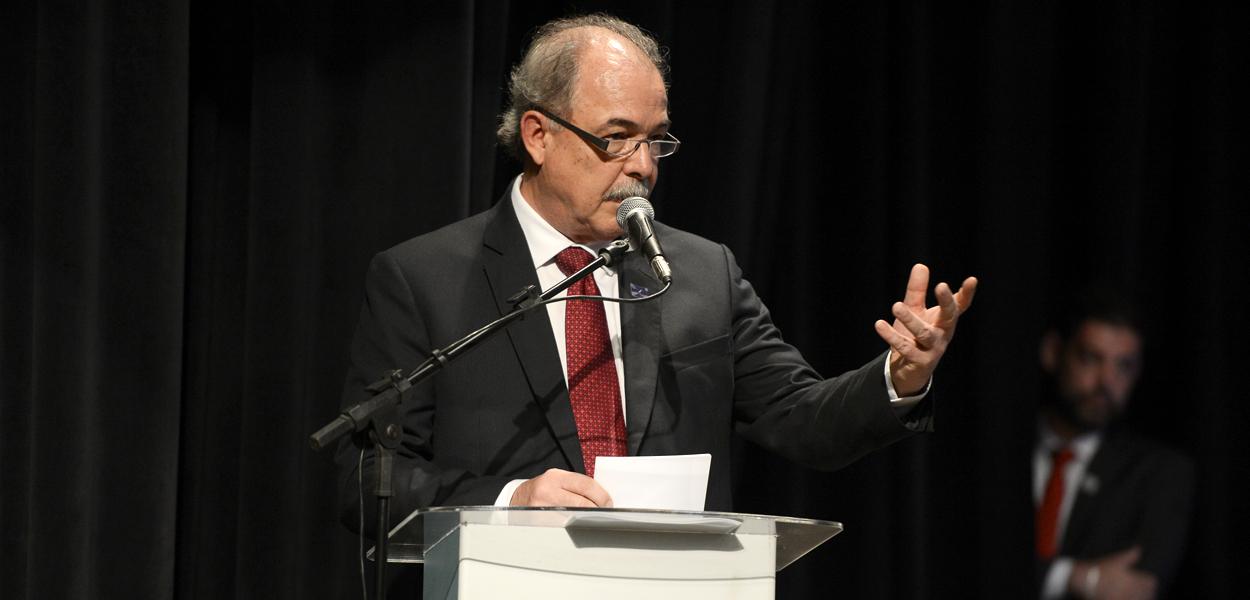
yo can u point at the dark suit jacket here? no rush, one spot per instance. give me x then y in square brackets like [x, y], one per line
[1135, 493]
[701, 361]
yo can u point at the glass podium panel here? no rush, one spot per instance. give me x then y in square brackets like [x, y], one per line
[423, 529]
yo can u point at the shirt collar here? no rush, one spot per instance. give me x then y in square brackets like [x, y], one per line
[544, 241]
[1083, 446]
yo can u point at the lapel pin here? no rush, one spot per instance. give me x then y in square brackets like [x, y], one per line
[638, 291]
[1090, 485]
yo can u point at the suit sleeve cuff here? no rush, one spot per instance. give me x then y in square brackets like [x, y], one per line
[903, 404]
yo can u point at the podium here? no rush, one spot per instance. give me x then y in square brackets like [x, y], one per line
[478, 552]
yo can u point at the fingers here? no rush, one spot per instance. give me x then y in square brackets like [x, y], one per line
[949, 311]
[918, 282]
[892, 337]
[966, 292]
[929, 328]
[923, 333]
[561, 488]
[1147, 585]
[589, 489]
[1120, 580]
[546, 491]
[917, 287]
[1126, 557]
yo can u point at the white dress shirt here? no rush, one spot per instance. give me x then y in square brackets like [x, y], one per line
[545, 243]
[1083, 449]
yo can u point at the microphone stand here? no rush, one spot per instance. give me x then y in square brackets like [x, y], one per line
[377, 419]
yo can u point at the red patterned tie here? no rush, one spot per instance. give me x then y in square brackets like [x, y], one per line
[594, 390]
[1052, 499]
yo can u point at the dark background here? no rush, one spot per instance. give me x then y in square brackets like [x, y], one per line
[190, 193]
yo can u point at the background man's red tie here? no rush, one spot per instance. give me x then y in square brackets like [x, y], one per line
[1052, 500]
[594, 390]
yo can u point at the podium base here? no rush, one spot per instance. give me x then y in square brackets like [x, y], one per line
[490, 561]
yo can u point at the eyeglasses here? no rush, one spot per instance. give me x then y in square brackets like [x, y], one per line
[660, 148]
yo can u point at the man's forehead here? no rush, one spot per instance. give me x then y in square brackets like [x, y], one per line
[1111, 336]
[635, 117]
[626, 123]
[613, 98]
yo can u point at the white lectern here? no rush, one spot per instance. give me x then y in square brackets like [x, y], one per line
[486, 552]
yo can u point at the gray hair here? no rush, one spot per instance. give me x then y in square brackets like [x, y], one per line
[547, 73]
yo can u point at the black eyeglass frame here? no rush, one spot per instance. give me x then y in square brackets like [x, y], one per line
[602, 143]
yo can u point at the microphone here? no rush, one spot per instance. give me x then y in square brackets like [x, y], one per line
[634, 216]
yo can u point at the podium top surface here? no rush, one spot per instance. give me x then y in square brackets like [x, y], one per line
[422, 529]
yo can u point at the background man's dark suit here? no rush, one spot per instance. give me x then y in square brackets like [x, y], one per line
[700, 362]
[1136, 492]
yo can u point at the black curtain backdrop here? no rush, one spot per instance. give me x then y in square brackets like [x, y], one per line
[190, 193]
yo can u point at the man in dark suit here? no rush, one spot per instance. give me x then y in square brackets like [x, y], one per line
[1113, 507]
[520, 419]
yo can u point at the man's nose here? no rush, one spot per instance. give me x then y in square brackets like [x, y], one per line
[1109, 378]
[641, 164]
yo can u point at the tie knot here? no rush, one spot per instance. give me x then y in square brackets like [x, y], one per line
[571, 259]
[1061, 457]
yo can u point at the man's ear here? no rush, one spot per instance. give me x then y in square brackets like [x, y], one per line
[1048, 351]
[535, 135]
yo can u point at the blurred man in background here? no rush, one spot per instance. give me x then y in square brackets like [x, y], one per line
[1112, 507]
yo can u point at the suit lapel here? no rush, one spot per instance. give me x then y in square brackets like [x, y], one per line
[640, 332]
[509, 268]
[1109, 460]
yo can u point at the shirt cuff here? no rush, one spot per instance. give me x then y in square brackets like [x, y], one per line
[1056, 583]
[905, 402]
[505, 497]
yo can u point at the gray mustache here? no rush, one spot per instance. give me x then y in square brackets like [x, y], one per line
[628, 190]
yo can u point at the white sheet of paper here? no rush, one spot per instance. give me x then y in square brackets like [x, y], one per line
[662, 482]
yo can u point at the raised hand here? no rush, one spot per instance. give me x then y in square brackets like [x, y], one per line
[920, 334]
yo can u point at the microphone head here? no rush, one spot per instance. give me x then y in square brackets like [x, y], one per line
[630, 205]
